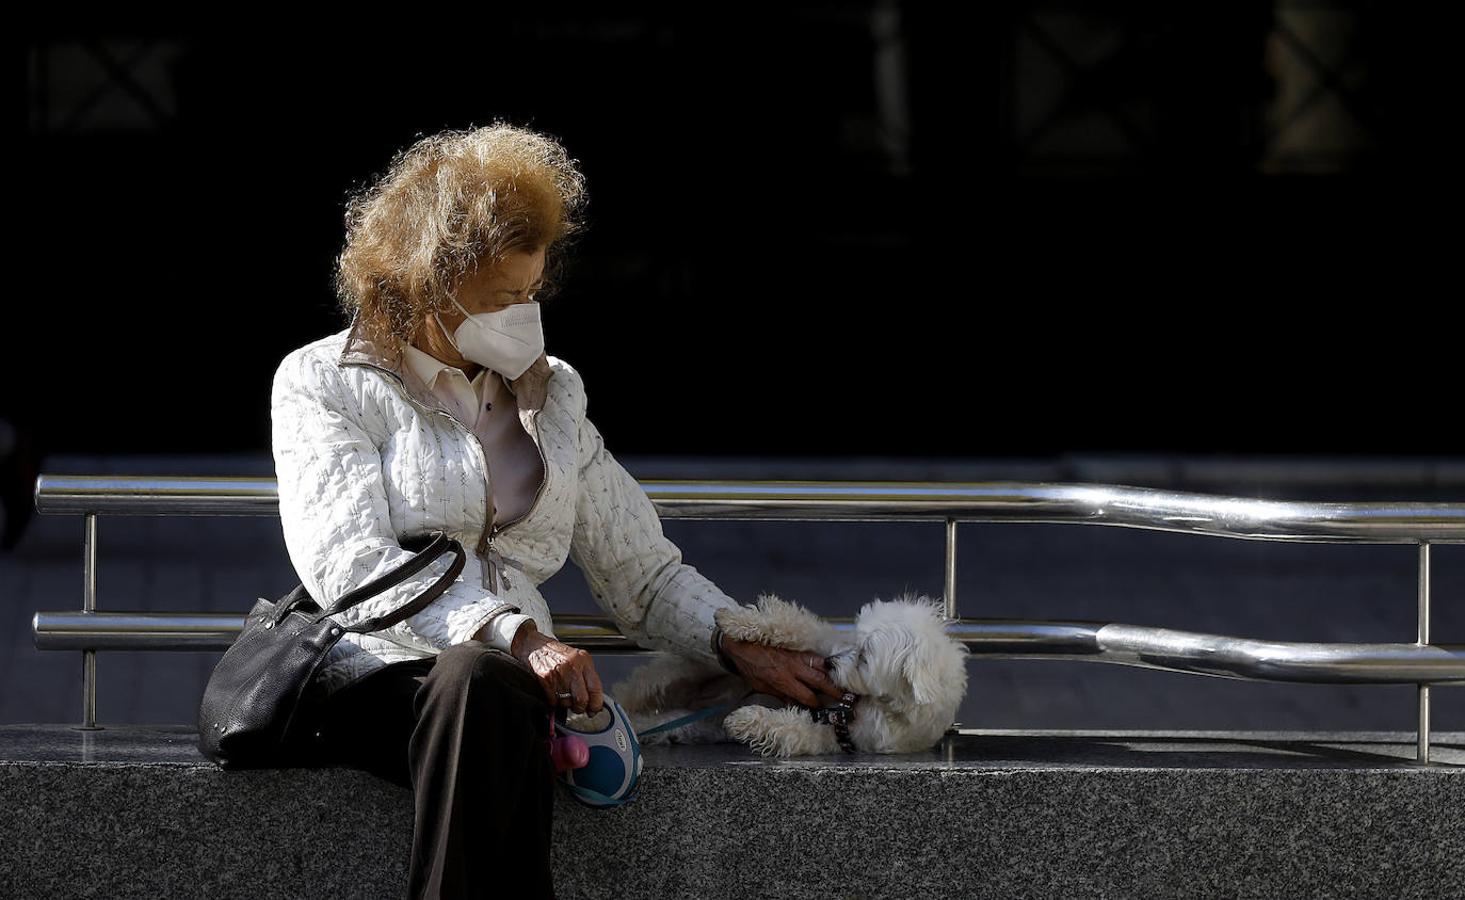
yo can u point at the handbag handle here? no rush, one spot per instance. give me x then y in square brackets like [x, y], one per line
[440, 544]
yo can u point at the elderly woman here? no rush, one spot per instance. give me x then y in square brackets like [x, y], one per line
[437, 409]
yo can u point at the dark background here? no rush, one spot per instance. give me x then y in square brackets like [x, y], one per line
[1120, 244]
[1064, 228]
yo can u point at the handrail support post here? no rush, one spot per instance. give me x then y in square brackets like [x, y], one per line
[89, 603]
[1422, 750]
[949, 589]
[950, 579]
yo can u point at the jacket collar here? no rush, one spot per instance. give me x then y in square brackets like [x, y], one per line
[529, 389]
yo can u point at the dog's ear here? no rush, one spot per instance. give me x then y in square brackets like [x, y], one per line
[920, 672]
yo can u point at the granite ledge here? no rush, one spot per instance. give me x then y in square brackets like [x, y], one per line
[969, 749]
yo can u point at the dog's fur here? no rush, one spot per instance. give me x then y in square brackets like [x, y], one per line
[909, 673]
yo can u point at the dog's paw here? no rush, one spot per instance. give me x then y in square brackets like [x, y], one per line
[753, 725]
[787, 731]
[742, 723]
[774, 622]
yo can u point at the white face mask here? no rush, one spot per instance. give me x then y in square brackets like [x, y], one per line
[506, 340]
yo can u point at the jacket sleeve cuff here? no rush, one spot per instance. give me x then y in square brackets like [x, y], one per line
[492, 622]
[502, 630]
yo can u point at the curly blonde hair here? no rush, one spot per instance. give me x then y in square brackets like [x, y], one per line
[446, 205]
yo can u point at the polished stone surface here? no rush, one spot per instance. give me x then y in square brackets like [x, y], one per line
[137, 812]
[968, 749]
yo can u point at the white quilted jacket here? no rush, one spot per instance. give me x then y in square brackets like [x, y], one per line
[365, 455]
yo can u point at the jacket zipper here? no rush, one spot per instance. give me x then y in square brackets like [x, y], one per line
[491, 531]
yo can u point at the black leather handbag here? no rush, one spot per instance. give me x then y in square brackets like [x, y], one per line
[256, 689]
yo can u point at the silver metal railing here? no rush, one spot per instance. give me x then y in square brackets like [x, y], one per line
[1423, 524]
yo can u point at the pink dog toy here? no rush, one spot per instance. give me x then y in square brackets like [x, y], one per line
[569, 751]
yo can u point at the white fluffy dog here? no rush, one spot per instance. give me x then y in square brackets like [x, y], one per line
[908, 673]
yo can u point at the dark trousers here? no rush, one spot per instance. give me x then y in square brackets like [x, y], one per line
[468, 732]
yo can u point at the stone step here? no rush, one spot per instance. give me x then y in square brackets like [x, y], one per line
[135, 811]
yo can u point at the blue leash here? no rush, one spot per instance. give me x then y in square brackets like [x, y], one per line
[699, 714]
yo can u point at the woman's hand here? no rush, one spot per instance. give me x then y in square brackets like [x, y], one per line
[793, 675]
[560, 667]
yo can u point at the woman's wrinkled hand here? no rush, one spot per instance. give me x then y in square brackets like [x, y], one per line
[560, 668]
[792, 675]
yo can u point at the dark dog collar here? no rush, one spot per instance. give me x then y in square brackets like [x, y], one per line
[840, 715]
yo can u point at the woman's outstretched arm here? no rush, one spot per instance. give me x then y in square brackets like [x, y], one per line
[634, 571]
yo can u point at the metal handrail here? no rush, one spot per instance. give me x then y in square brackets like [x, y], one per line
[859, 501]
[1166, 649]
[1420, 663]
